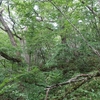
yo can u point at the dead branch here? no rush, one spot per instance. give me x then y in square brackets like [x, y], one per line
[72, 80]
[47, 92]
[82, 78]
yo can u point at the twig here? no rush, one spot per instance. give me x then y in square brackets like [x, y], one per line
[47, 93]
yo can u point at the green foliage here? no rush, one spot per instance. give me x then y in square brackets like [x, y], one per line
[87, 91]
[59, 39]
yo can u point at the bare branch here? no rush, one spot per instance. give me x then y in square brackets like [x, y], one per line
[72, 80]
[47, 93]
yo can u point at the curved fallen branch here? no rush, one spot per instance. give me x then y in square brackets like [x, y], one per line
[83, 78]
